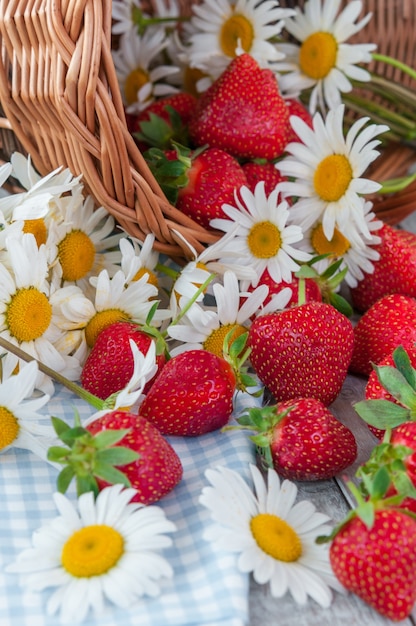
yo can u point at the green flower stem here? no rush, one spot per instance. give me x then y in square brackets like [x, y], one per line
[406, 69]
[396, 184]
[97, 403]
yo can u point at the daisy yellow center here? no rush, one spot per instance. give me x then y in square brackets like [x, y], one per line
[134, 82]
[337, 246]
[215, 341]
[9, 428]
[28, 315]
[37, 228]
[276, 537]
[264, 240]
[76, 255]
[318, 55]
[151, 276]
[236, 30]
[332, 177]
[92, 551]
[102, 320]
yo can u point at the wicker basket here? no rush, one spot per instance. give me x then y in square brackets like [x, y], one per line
[62, 105]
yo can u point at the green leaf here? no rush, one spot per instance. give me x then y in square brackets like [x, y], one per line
[117, 456]
[396, 384]
[366, 513]
[381, 413]
[111, 474]
[72, 434]
[341, 304]
[380, 483]
[59, 426]
[65, 478]
[403, 364]
[56, 454]
[86, 484]
[109, 437]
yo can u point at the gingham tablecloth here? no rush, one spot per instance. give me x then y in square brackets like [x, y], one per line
[207, 589]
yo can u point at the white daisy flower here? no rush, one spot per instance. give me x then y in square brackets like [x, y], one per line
[27, 318]
[41, 192]
[207, 329]
[140, 83]
[138, 259]
[262, 238]
[224, 28]
[356, 251]
[19, 413]
[114, 301]
[323, 61]
[84, 243]
[97, 551]
[273, 537]
[327, 169]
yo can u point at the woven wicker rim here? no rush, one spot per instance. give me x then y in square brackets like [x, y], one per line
[61, 99]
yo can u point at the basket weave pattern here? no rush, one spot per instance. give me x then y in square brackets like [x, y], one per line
[61, 99]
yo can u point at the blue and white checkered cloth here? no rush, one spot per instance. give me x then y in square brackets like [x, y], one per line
[207, 589]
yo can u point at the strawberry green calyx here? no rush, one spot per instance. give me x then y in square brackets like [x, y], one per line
[236, 354]
[158, 133]
[328, 281]
[87, 457]
[262, 421]
[384, 469]
[400, 382]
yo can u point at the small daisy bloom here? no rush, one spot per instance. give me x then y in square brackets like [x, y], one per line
[328, 167]
[19, 413]
[262, 239]
[84, 243]
[223, 29]
[207, 329]
[273, 537]
[322, 60]
[140, 82]
[138, 259]
[357, 252]
[27, 317]
[114, 301]
[107, 549]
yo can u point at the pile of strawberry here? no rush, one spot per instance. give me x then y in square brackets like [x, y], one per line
[301, 355]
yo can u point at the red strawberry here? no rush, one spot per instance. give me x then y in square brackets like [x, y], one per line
[109, 366]
[213, 178]
[298, 109]
[266, 171]
[303, 351]
[242, 112]
[389, 322]
[378, 562]
[394, 272]
[157, 470]
[193, 394]
[118, 447]
[302, 439]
